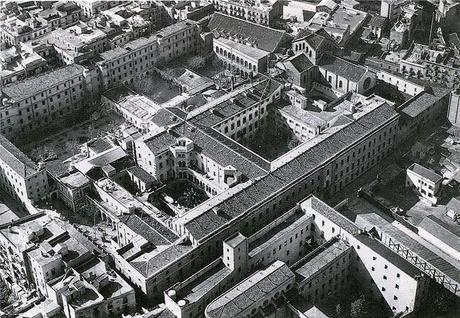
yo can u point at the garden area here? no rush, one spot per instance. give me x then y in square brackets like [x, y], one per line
[155, 87]
[352, 303]
[178, 196]
[6, 297]
[271, 140]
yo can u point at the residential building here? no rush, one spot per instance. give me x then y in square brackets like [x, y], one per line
[92, 8]
[18, 63]
[78, 43]
[424, 182]
[36, 250]
[123, 64]
[20, 177]
[72, 188]
[38, 101]
[14, 30]
[60, 15]
[263, 12]
[91, 290]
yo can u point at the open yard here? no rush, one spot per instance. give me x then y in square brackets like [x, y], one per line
[156, 88]
[177, 196]
[271, 140]
[67, 142]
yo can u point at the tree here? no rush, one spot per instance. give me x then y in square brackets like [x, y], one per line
[196, 62]
[294, 142]
[340, 311]
[358, 308]
[5, 294]
[142, 83]
[191, 198]
[72, 146]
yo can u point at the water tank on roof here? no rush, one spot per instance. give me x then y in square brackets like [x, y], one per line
[172, 294]
[181, 303]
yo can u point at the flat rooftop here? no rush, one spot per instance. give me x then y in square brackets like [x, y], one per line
[118, 193]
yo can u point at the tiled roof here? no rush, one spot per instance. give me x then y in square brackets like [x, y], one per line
[149, 228]
[148, 267]
[449, 235]
[421, 102]
[424, 253]
[389, 255]
[341, 67]
[266, 38]
[31, 86]
[160, 142]
[425, 173]
[311, 265]
[303, 33]
[141, 174]
[300, 62]
[377, 21]
[16, 159]
[250, 292]
[334, 216]
[302, 165]
[211, 143]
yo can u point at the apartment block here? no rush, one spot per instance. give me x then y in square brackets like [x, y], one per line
[257, 11]
[38, 101]
[122, 64]
[20, 177]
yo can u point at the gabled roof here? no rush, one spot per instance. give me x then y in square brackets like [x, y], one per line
[449, 235]
[16, 159]
[343, 68]
[377, 21]
[209, 221]
[389, 255]
[300, 62]
[315, 39]
[265, 38]
[29, 87]
[250, 292]
[149, 228]
[425, 173]
[424, 100]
